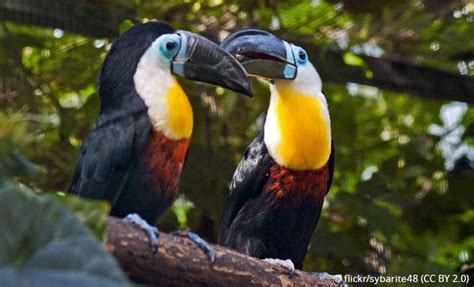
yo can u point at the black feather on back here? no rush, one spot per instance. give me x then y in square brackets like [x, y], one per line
[108, 155]
[248, 180]
[331, 163]
[261, 225]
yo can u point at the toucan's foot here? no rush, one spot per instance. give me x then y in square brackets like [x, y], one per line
[287, 264]
[152, 231]
[201, 243]
[336, 278]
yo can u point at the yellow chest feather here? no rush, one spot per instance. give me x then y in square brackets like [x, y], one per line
[304, 140]
[180, 113]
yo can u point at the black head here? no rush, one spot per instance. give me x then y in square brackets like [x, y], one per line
[115, 82]
[187, 54]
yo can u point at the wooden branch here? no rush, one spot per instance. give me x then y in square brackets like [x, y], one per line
[394, 75]
[179, 262]
[86, 17]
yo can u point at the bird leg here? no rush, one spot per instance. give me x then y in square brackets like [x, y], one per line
[201, 243]
[287, 264]
[337, 278]
[152, 231]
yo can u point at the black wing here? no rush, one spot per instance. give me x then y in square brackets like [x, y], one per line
[247, 182]
[331, 163]
[107, 157]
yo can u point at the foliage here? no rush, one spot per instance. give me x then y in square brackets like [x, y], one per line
[180, 208]
[396, 206]
[42, 244]
[92, 213]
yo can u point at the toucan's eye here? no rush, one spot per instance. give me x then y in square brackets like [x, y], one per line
[169, 45]
[301, 56]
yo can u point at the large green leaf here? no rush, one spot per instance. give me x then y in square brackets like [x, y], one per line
[43, 244]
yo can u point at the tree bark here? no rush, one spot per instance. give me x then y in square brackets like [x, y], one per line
[86, 17]
[395, 75]
[179, 262]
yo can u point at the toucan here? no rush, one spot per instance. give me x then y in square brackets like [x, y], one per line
[278, 189]
[136, 150]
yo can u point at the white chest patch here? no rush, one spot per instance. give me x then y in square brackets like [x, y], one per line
[169, 109]
[152, 82]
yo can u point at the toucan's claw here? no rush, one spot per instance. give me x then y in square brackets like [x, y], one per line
[201, 243]
[152, 231]
[287, 264]
[336, 278]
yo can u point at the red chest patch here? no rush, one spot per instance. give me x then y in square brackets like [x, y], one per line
[163, 161]
[295, 185]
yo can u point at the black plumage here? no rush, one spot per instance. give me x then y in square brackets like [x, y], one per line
[128, 161]
[257, 222]
[108, 165]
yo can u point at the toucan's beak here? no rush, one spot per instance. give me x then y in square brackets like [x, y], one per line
[199, 59]
[262, 54]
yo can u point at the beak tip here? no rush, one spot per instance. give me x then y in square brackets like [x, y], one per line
[244, 90]
[207, 62]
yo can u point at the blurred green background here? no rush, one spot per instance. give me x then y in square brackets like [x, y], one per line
[398, 76]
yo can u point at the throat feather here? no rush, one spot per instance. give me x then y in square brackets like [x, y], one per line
[168, 106]
[180, 117]
[297, 131]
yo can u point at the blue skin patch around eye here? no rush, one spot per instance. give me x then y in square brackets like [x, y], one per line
[299, 60]
[166, 39]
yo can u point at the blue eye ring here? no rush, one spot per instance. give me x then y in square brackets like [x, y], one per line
[301, 56]
[169, 45]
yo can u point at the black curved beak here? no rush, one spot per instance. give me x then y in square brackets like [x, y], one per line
[262, 54]
[201, 60]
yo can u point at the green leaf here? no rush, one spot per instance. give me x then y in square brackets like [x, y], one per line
[125, 25]
[92, 213]
[180, 208]
[352, 59]
[42, 244]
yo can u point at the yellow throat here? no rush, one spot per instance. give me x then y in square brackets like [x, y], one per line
[180, 113]
[297, 131]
